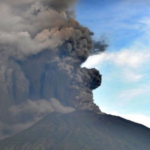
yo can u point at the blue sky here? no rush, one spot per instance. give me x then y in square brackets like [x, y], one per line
[125, 25]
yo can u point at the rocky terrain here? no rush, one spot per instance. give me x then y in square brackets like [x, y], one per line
[80, 130]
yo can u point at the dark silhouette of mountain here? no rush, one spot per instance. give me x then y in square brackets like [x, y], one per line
[80, 130]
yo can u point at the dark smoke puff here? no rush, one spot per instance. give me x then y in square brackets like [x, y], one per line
[79, 45]
[96, 79]
[59, 5]
[91, 78]
[99, 47]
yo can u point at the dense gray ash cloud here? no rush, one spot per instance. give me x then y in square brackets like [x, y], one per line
[41, 50]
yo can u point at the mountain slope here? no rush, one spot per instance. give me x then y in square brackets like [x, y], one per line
[81, 130]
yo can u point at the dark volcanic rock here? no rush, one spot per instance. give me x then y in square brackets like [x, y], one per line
[80, 130]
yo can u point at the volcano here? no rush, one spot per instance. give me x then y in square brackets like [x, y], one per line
[80, 130]
[46, 96]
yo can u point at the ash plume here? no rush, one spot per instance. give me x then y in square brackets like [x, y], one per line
[41, 50]
[99, 47]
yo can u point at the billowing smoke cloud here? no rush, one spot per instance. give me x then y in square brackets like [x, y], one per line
[41, 50]
[26, 114]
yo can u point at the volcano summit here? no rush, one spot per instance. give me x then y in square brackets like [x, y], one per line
[44, 87]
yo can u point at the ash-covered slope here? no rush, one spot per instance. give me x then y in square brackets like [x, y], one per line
[80, 130]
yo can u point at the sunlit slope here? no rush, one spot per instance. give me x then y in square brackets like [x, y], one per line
[80, 131]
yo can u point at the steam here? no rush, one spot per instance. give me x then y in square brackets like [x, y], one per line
[41, 50]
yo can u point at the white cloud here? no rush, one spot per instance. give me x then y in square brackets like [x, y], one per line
[131, 58]
[131, 94]
[131, 65]
[131, 76]
[146, 23]
[95, 60]
[127, 62]
[138, 118]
